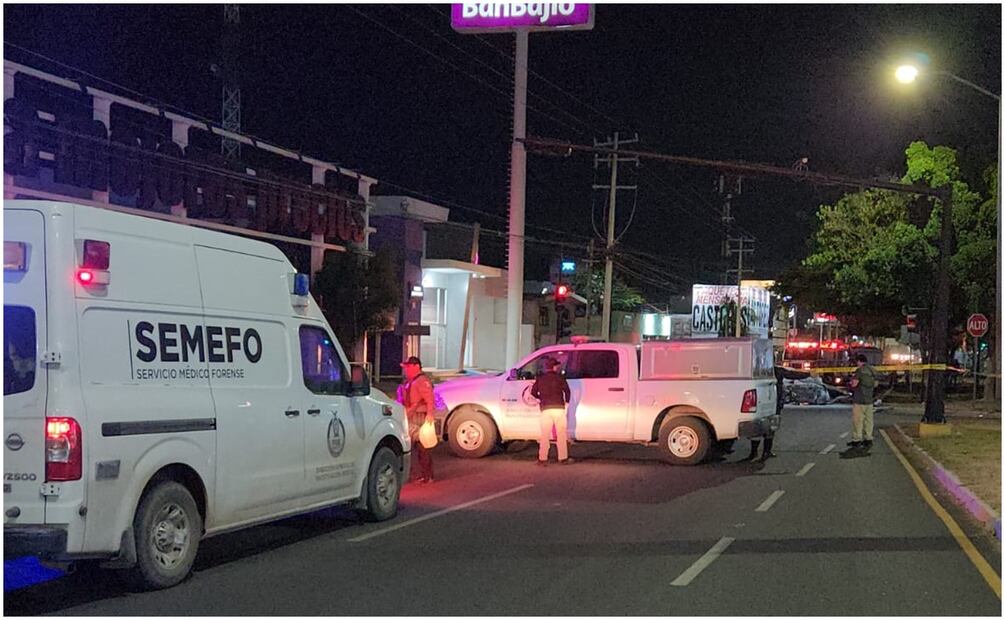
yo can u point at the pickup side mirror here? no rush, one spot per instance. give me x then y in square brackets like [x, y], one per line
[513, 374]
[360, 383]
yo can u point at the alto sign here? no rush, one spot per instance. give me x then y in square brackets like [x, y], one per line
[510, 16]
[977, 325]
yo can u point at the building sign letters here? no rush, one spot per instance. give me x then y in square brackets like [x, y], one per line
[152, 172]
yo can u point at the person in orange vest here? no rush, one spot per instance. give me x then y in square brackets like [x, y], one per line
[417, 397]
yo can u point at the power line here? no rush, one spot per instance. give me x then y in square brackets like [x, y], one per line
[485, 42]
[451, 64]
[505, 76]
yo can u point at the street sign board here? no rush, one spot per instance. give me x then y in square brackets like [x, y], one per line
[977, 325]
[511, 16]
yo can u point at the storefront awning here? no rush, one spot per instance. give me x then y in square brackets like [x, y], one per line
[444, 265]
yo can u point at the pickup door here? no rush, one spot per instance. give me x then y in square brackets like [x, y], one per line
[600, 382]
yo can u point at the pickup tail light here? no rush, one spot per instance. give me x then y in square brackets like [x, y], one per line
[749, 402]
[63, 450]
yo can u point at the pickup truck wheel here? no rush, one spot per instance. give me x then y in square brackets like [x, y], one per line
[167, 527]
[383, 485]
[684, 440]
[472, 434]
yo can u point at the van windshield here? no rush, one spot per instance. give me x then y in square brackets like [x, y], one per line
[19, 349]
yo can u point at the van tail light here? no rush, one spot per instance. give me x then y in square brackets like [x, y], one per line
[63, 450]
[749, 402]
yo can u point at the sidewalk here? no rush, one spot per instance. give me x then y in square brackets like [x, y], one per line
[966, 464]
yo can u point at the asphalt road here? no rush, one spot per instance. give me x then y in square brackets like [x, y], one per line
[616, 533]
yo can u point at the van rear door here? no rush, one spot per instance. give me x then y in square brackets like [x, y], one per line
[24, 377]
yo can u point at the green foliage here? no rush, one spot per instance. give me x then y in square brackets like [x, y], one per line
[873, 256]
[357, 293]
[591, 286]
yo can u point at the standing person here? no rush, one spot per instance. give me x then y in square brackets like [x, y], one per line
[417, 397]
[781, 373]
[863, 384]
[552, 391]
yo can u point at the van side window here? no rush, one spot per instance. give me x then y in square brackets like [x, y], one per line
[323, 370]
[18, 349]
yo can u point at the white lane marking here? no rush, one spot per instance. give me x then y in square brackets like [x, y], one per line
[828, 449]
[768, 503]
[440, 513]
[702, 563]
[806, 468]
[843, 435]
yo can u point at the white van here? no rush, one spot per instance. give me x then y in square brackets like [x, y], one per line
[164, 383]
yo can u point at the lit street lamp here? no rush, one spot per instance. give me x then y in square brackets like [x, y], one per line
[908, 73]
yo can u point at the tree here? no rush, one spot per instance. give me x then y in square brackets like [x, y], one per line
[873, 256]
[591, 286]
[357, 293]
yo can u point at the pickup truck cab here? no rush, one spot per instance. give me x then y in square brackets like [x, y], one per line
[684, 396]
[164, 383]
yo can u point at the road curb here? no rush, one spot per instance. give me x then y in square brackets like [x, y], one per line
[951, 483]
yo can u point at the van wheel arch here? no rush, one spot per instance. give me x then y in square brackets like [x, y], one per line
[185, 476]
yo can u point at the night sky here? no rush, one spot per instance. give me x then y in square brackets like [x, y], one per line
[770, 84]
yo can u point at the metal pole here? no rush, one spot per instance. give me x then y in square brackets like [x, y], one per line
[739, 288]
[475, 232]
[977, 365]
[970, 84]
[935, 406]
[605, 327]
[517, 195]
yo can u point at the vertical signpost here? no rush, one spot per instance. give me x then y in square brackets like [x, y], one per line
[520, 18]
[977, 326]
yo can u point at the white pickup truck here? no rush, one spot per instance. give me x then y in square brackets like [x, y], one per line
[686, 396]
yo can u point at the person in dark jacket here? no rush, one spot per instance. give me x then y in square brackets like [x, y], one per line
[552, 391]
[781, 373]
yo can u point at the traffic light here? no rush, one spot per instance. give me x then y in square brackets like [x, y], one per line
[561, 292]
[564, 322]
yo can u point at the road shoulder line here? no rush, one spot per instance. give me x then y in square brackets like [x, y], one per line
[703, 562]
[992, 578]
[439, 513]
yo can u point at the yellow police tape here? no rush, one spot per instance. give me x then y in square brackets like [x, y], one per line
[895, 368]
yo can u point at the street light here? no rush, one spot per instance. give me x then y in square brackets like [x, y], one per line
[908, 73]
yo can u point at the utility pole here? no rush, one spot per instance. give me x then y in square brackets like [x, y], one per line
[744, 245]
[727, 216]
[231, 117]
[612, 202]
[517, 197]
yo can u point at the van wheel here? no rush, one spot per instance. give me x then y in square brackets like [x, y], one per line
[472, 434]
[383, 485]
[167, 527]
[684, 440]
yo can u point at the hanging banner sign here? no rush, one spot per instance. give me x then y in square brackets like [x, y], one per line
[510, 16]
[713, 311]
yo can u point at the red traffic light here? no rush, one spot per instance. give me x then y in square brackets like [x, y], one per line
[561, 292]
